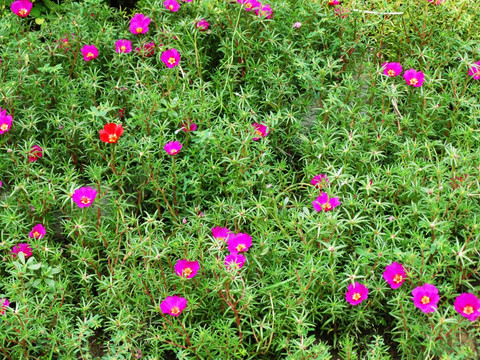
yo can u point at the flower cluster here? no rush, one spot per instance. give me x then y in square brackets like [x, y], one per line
[261, 10]
[412, 77]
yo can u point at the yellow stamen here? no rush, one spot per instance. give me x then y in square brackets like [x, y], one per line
[356, 296]
[170, 7]
[468, 310]
[397, 279]
[36, 234]
[4, 127]
[22, 11]
[187, 272]
[112, 138]
[413, 81]
[391, 72]
[326, 206]
[175, 310]
[172, 61]
[139, 30]
[89, 55]
[240, 247]
[425, 300]
[85, 200]
[123, 48]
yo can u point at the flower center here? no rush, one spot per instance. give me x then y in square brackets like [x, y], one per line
[326, 207]
[356, 296]
[173, 151]
[90, 55]
[175, 310]
[391, 72]
[186, 272]
[172, 61]
[123, 48]
[4, 127]
[22, 11]
[36, 234]
[139, 30]
[240, 247]
[85, 200]
[397, 279]
[248, 5]
[170, 7]
[413, 81]
[425, 300]
[258, 132]
[468, 310]
[112, 138]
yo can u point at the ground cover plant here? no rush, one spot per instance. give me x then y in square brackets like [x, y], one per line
[240, 180]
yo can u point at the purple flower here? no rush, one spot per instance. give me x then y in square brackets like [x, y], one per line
[84, 196]
[170, 58]
[202, 25]
[37, 232]
[35, 154]
[123, 46]
[394, 275]
[356, 293]
[320, 181]
[265, 11]
[324, 203]
[468, 305]
[414, 78]
[4, 303]
[186, 127]
[139, 24]
[173, 305]
[171, 5]
[187, 269]
[260, 130]
[89, 52]
[239, 243]
[221, 234]
[426, 298]
[173, 147]
[234, 261]
[22, 248]
[392, 69]
[474, 71]
[5, 121]
[21, 7]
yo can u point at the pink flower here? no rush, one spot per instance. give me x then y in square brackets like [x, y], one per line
[468, 305]
[394, 275]
[297, 25]
[37, 232]
[426, 298]
[202, 25]
[342, 12]
[22, 248]
[234, 261]
[436, 2]
[5, 121]
[221, 234]
[35, 154]
[474, 71]
[239, 243]
[414, 78]
[173, 147]
[171, 5]
[320, 181]
[250, 4]
[260, 130]
[89, 52]
[356, 293]
[324, 203]
[171, 58]
[147, 50]
[84, 196]
[139, 24]
[333, 2]
[264, 10]
[21, 7]
[185, 268]
[4, 303]
[173, 305]
[186, 127]
[123, 46]
[392, 69]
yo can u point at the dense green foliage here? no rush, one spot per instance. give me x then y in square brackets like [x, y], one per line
[404, 162]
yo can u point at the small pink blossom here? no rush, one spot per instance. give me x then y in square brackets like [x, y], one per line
[426, 298]
[123, 46]
[297, 25]
[84, 196]
[394, 275]
[264, 11]
[173, 305]
[21, 7]
[239, 243]
[320, 181]
[392, 69]
[5, 121]
[171, 5]
[234, 261]
[221, 234]
[139, 24]
[356, 293]
[333, 2]
[22, 248]
[342, 12]
[324, 203]
[436, 2]
[414, 78]
[260, 130]
[146, 50]
[202, 25]
[37, 232]
[4, 303]
[170, 58]
[186, 127]
[187, 269]
[474, 71]
[35, 154]
[89, 52]
[468, 305]
[173, 147]
[250, 4]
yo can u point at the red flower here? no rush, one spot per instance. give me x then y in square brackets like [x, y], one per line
[111, 132]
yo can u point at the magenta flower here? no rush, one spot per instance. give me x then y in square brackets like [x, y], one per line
[260, 130]
[173, 305]
[392, 69]
[426, 298]
[139, 24]
[414, 77]
[170, 58]
[35, 154]
[356, 293]
[265, 11]
[84, 196]
[147, 50]
[5, 121]
[342, 12]
[173, 147]
[234, 261]
[474, 71]
[297, 25]
[394, 275]
[202, 25]
[171, 5]
[185, 268]
[37, 232]
[239, 243]
[436, 2]
[333, 2]
[89, 52]
[123, 46]
[22, 248]
[468, 305]
[21, 7]
[221, 234]
[324, 203]
[186, 127]
[4, 303]
[320, 181]
[250, 4]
